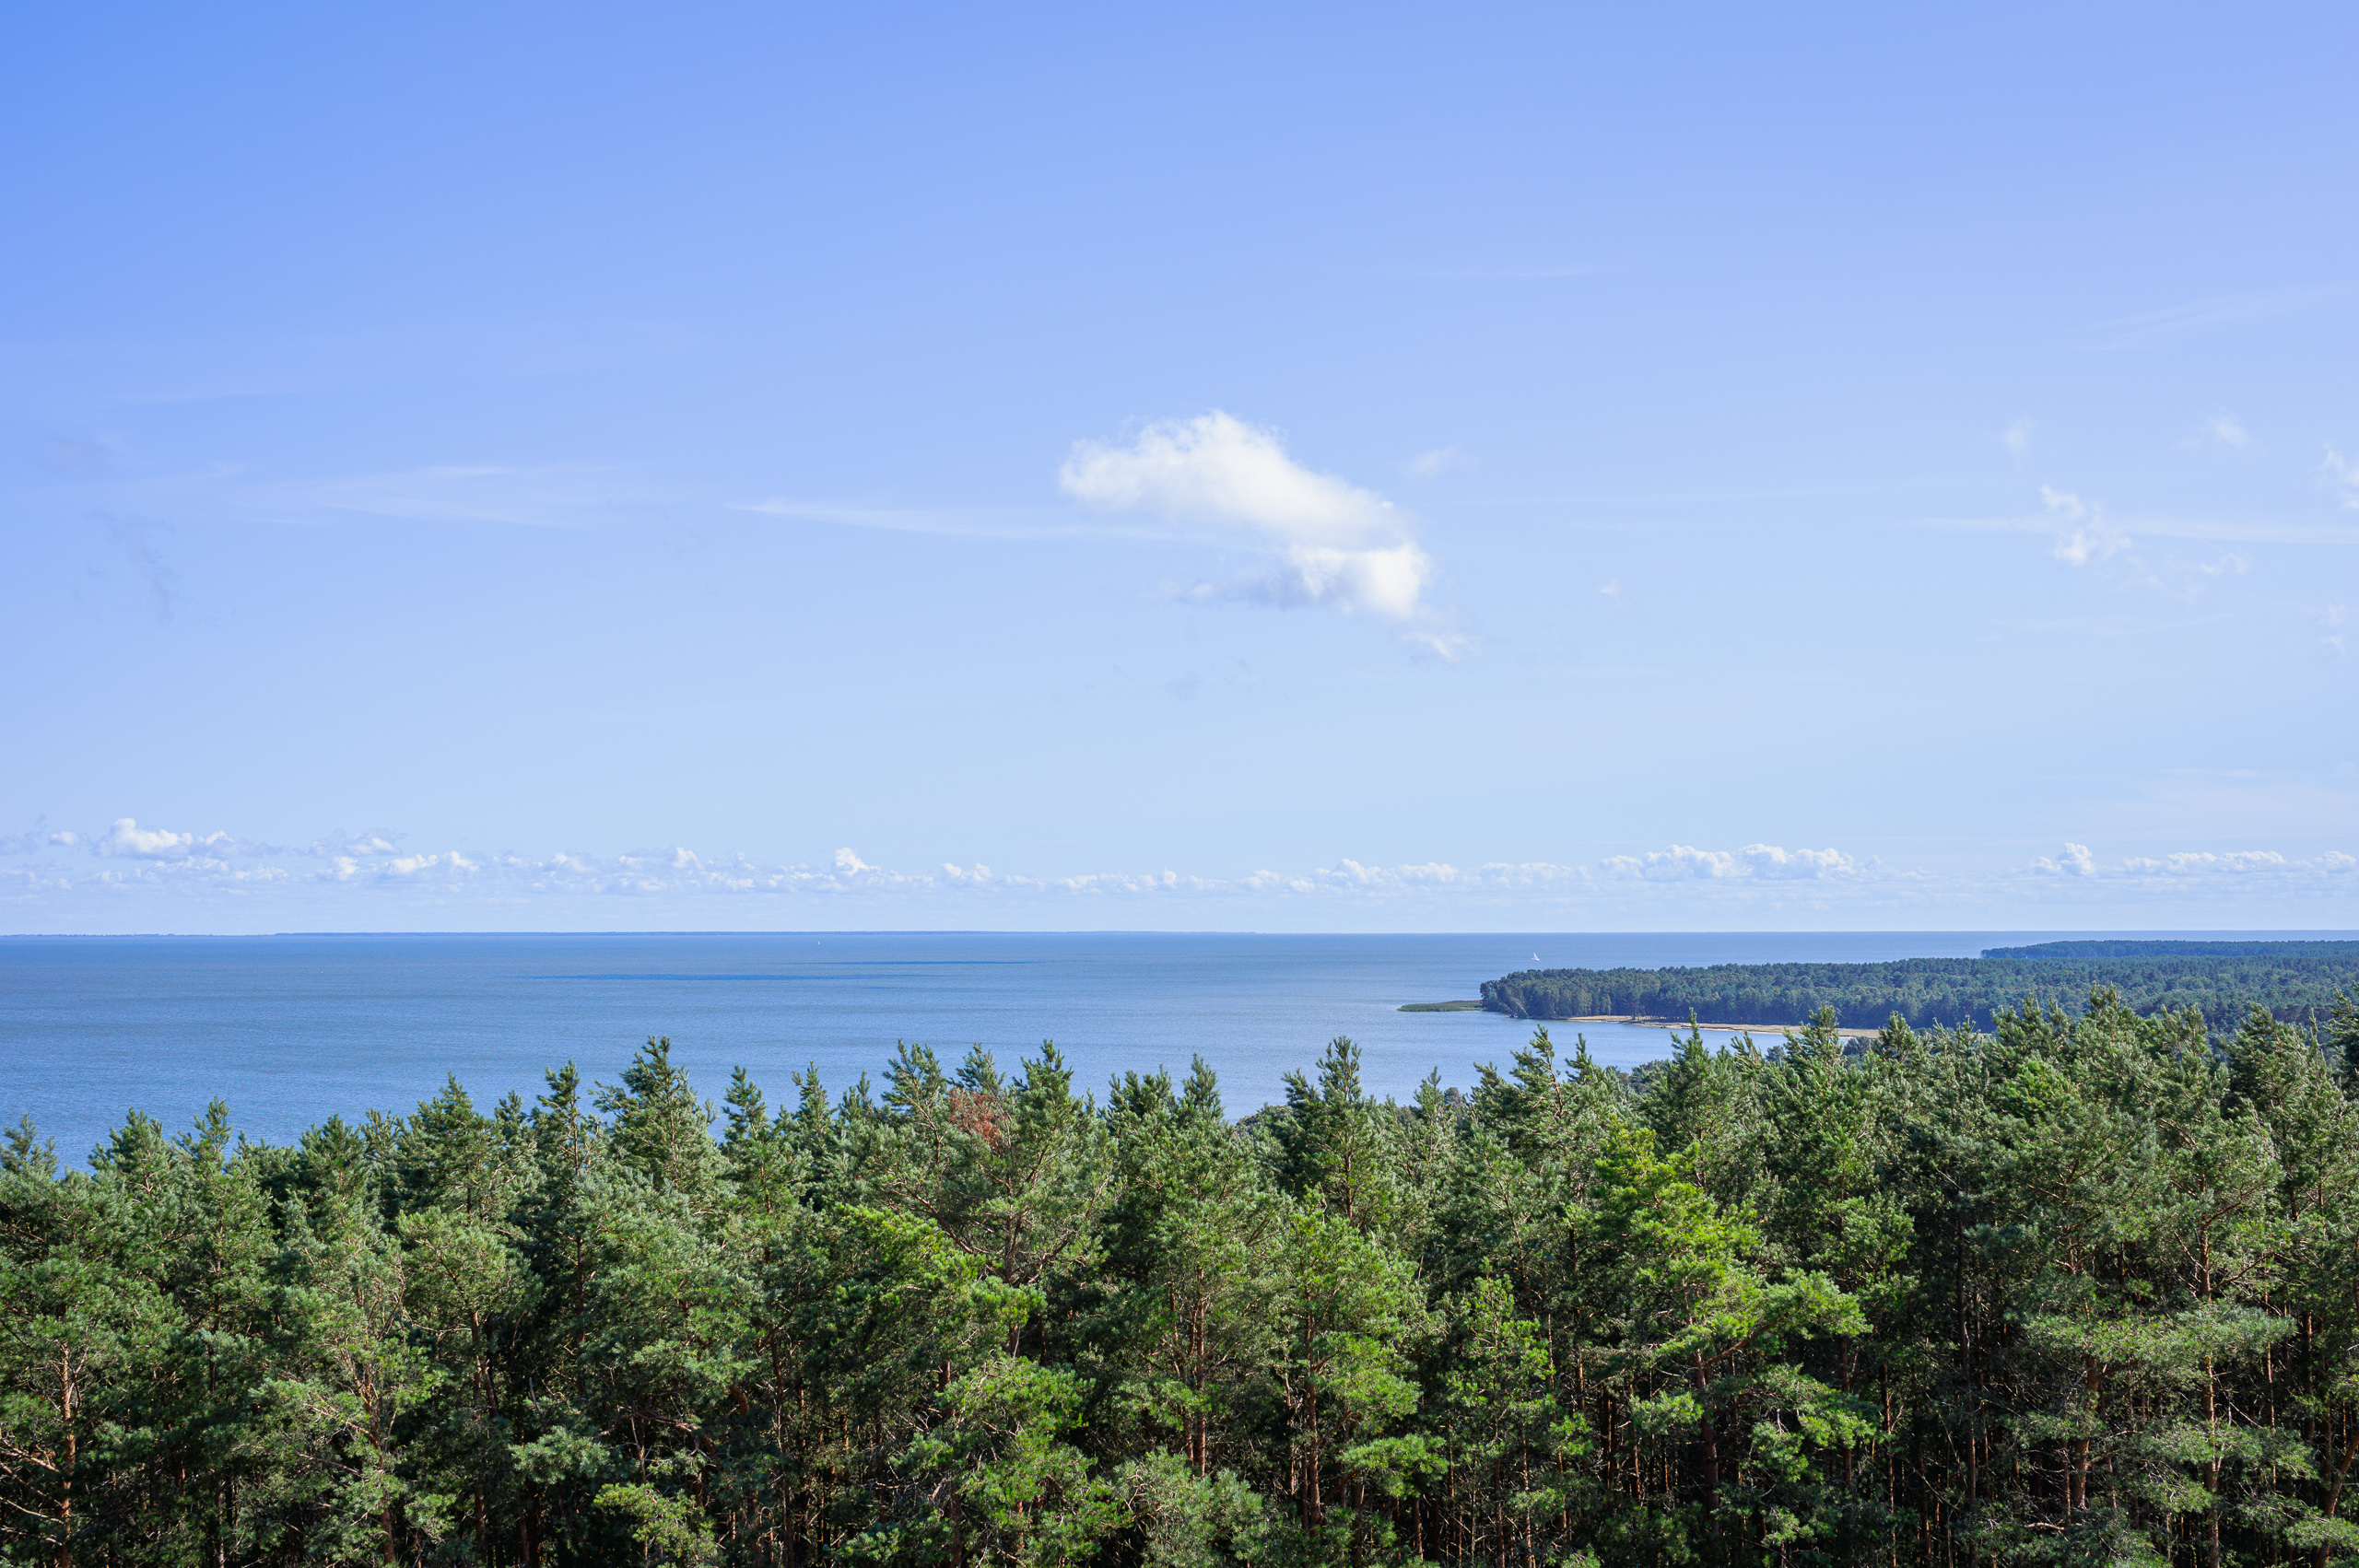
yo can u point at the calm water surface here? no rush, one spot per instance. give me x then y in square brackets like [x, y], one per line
[290, 1029]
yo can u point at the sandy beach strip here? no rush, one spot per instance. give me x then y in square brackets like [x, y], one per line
[1675, 1024]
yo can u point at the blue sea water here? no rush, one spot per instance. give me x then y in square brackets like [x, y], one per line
[290, 1029]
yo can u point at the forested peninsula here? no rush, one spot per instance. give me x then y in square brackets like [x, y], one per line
[2223, 980]
[2081, 1289]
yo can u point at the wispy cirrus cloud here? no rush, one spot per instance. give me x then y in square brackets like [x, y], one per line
[2217, 312]
[2085, 532]
[36, 839]
[1437, 461]
[562, 496]
[547, 495]
[2343, 474]
[2224, 429]
[140, 542]
[957, 521]
[160, 370]
[2062, 512]
[80, 456]
[1334, 543]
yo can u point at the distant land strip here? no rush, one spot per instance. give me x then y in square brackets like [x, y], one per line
[2292, 981]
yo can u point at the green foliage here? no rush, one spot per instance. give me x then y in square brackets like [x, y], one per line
[2083, 1288]
[668, 1528]
[1014, 1490]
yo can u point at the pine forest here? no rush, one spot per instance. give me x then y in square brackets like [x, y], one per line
[2080, 1287]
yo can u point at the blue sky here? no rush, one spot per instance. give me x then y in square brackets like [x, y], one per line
[1285, 468]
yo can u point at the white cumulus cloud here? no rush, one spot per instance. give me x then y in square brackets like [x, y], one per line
[2076, 861]
[410, 868]
[167, 863]
[127, 840]
[348, 845]
[2255, 866]
[2198, 862]
[1335, 543]
[1684, 862]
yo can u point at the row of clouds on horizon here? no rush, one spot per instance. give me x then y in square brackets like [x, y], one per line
[45, 863]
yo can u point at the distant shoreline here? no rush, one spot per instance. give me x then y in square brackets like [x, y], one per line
[1675, 1024]
[1638, 1020]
